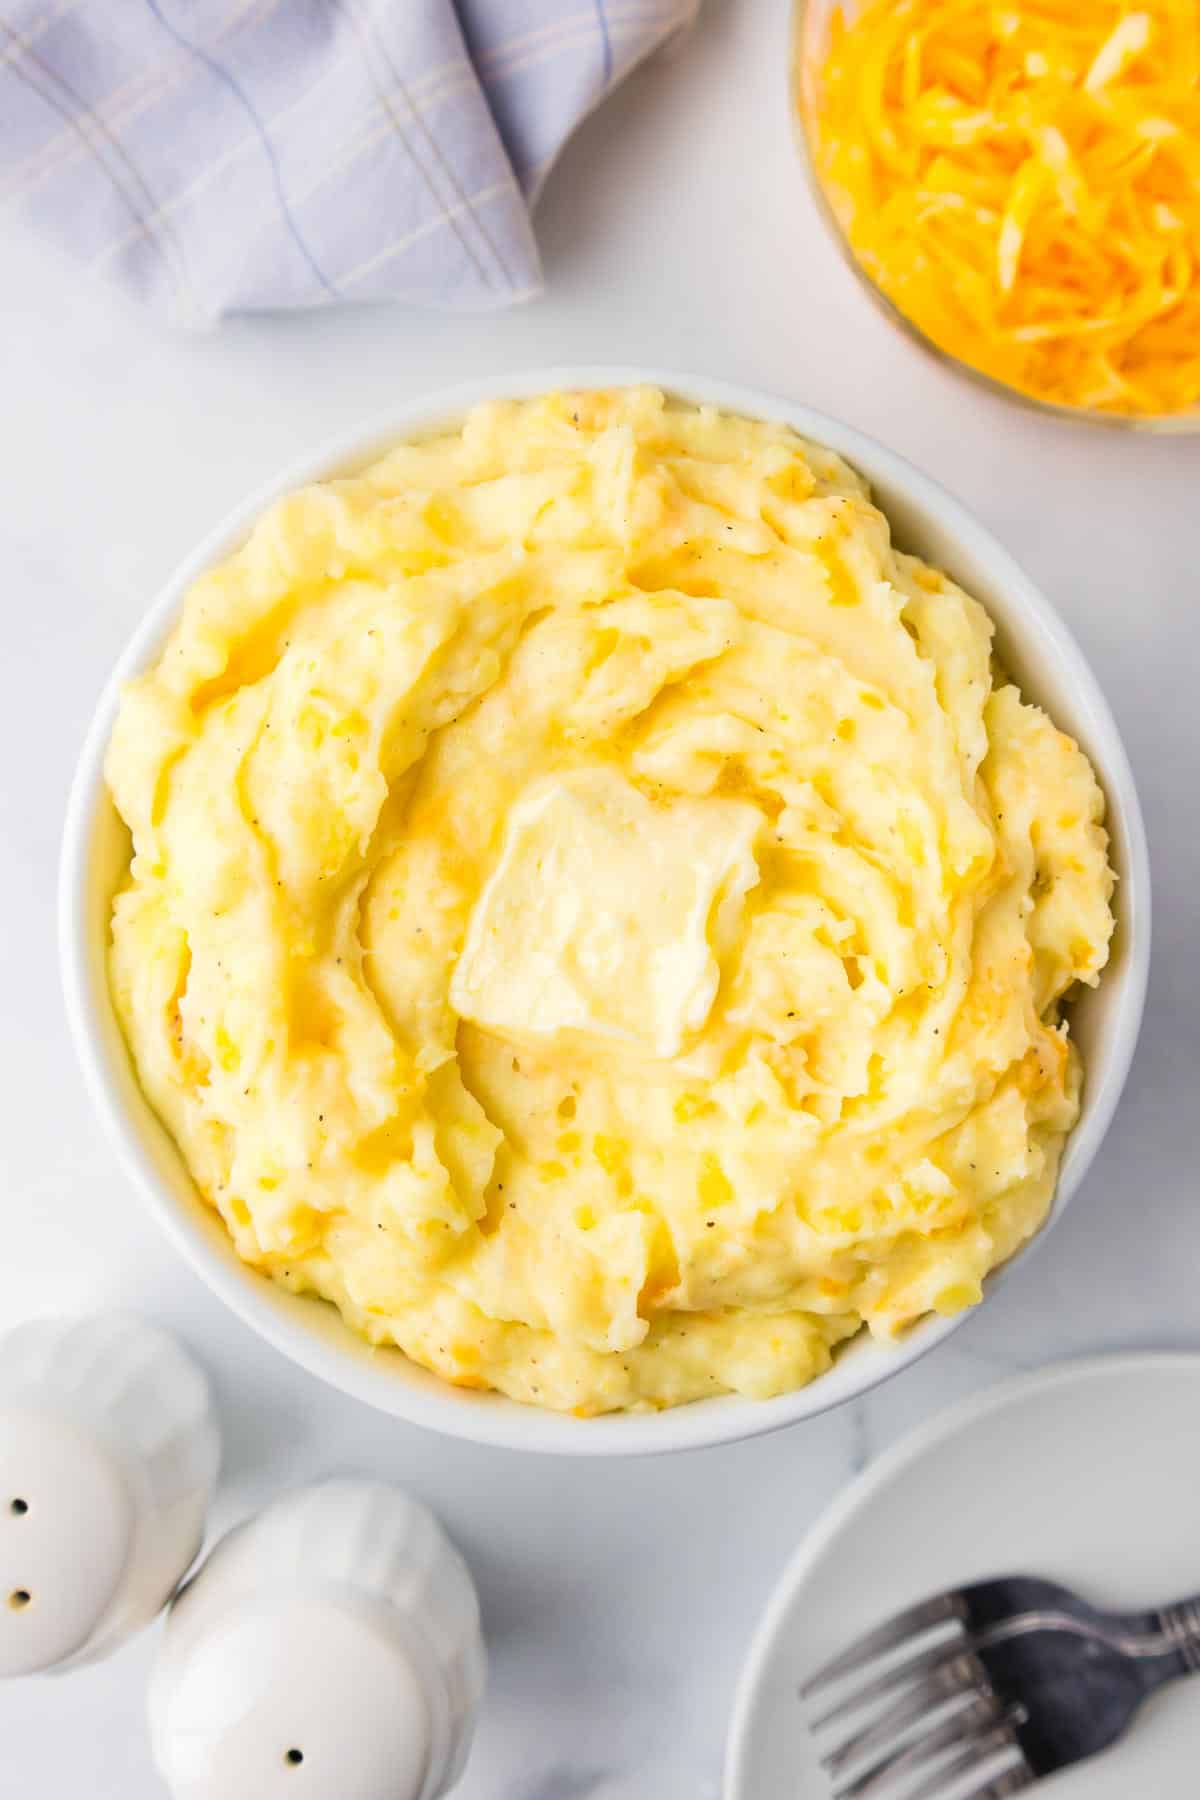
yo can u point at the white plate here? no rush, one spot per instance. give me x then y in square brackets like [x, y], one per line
[1088, 1473]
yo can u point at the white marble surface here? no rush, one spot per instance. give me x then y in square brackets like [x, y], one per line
[618, 1598]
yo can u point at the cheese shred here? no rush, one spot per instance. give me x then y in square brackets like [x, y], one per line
[1023, 184]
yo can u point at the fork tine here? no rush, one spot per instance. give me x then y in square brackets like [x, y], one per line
[888, 1636]
[942, 1670]
[986, 1745]
[895, 1721]
[1013, 1781]
[964, 1726]
[888, 1725]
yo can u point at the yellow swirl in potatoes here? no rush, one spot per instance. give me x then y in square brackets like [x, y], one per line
[597, 912]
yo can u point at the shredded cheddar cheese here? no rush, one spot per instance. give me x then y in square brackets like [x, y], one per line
[1023, 183]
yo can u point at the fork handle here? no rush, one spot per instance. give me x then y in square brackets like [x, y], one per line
[1180, 1626]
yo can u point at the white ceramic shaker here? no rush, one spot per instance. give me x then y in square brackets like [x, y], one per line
[329, 1649]
[108, 1457]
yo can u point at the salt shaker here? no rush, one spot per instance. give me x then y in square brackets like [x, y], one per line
[108, 1457]
[329, 1649]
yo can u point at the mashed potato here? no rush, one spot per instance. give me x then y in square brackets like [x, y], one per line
[597, 912]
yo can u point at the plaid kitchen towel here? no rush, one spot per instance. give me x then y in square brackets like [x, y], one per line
[218, 156]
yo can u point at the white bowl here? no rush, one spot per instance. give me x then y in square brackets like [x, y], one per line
[1036, 648]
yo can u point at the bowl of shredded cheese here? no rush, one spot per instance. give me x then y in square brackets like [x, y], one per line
[1019, 185]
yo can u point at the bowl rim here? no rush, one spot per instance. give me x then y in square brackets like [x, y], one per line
[493, 1420]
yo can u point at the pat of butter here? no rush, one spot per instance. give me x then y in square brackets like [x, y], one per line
[606, 913]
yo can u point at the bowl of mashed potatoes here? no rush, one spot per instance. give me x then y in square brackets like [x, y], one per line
[602, 911]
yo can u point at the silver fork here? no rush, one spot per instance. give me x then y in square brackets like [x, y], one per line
[1002, 1681]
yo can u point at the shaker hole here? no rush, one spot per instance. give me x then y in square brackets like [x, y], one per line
[19, 1599]
[18, 1507]
[294, 1757]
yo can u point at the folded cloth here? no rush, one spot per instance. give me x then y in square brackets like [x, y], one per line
[218, 156]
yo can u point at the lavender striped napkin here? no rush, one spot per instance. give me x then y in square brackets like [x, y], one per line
[218, 156]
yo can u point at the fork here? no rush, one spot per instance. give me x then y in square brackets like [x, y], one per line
[1003, 1681]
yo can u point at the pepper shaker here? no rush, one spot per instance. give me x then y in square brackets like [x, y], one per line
[329, 1649]
[108, 1458]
